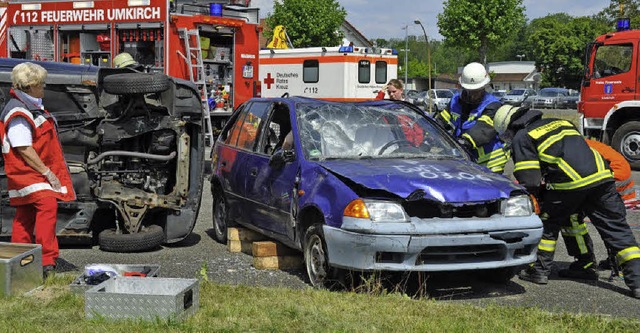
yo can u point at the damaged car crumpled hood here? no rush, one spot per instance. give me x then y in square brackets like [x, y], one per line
[441, 180]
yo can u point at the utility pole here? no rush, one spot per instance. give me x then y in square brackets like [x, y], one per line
[426, 39]
[406, 53]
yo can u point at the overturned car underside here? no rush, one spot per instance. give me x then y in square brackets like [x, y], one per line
[134, 146]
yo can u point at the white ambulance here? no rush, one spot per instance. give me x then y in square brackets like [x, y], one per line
[344, 73]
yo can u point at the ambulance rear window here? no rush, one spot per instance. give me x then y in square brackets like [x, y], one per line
[364, 71]
[381, 72]
[310, 71]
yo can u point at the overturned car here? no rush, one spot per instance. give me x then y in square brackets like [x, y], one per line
[370, 186]
[134, 145]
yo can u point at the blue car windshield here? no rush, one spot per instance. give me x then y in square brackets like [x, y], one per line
[356, 131]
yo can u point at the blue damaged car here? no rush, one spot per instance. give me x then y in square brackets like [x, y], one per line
[367, 186]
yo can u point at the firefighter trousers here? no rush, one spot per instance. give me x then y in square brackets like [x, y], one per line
[603, 205]
[40, 218]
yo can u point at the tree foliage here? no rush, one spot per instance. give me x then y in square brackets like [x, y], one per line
[479, 24]
[308, 22]
[629, 8]
[557, 44]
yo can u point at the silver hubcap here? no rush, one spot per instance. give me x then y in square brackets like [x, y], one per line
[315, 261]
[219, 217]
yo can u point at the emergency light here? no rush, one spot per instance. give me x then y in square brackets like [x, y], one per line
[623, 24]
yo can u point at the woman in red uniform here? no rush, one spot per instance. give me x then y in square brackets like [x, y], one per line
[36, 171]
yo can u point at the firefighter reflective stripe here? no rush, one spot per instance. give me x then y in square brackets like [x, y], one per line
[446, 116]
[601, 174]
[555, 138]
[542, 130]
[547, 245]
[628, 254]
[524, 165]
[562, 164]
[496, 160]
[486, 119]
[33, 188]
[473, 143]
[577, 230]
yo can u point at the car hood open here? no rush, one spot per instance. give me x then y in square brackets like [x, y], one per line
[440, 180]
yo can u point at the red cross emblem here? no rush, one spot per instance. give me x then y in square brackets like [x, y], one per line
[269, 81]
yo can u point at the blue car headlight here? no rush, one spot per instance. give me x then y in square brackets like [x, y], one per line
[520, 205]
[376, 210]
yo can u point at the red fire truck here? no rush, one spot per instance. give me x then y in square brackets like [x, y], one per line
[212, 43]
[610, 95]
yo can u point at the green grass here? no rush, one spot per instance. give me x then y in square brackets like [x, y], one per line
[225, 308]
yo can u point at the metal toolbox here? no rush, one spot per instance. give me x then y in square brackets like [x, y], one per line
[20, 268]
[148, 299]
[79, 284]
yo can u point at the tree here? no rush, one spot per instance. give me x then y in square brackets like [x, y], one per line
[308, 22]
[557, 42]
[479, 24]
[629, 8]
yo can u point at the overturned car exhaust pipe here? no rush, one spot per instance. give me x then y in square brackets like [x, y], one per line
[132, 154]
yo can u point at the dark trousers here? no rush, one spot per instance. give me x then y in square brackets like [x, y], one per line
[603, 205]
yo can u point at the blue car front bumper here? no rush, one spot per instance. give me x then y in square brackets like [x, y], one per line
[434, 244]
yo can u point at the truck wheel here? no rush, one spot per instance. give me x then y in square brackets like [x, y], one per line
[135, 83]
[626, 140]
[148, 238]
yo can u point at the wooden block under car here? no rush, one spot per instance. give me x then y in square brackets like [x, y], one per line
[278, 262]
[243, 234]
[271, 249]
[239, 246]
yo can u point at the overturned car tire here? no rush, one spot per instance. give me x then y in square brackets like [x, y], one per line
[135, 83]
[148, 238]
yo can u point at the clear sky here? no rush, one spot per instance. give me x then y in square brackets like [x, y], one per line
[387, 18]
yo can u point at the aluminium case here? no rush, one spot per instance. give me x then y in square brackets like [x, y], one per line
[20, 268]
[143, 298]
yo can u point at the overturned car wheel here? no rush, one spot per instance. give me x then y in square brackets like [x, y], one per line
[135, 83]
[148, 238]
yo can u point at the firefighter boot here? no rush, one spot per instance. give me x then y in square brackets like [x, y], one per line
[631, 271]
[539, 271]
[581, 270]
[534, 275]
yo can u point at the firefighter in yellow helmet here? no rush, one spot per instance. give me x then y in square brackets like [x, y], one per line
[125, 60]
[469, 117]
[553, 162]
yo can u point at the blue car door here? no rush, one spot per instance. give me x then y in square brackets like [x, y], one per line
[236, 155]
[272, 189]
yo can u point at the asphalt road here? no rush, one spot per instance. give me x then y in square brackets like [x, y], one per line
[200, 253]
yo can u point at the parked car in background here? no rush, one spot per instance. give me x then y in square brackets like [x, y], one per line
[417, 98]
[571, 100]
[440, 99]
[519, 97]
[551, 98]
[499, 95]
[368, 186]
[134, 145]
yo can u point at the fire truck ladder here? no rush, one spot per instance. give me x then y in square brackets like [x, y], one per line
[196, 73]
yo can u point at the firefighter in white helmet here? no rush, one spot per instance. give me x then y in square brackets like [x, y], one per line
[469, 117]
[125, 60]
[553, 162]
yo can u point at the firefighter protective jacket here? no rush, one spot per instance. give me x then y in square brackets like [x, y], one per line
[554, 150]
[475, 124]
[25, 184]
